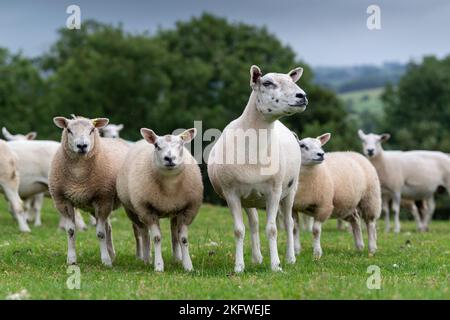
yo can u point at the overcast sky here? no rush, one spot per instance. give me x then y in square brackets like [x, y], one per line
[326, 32]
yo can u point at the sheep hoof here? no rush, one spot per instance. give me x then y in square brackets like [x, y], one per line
[37, 224]
[188, 268]
[317, 255]
[107, 263]
[71, 261]
[159, 268]
[291, 259]
[257, 259]
[276, 267]
[239, 268]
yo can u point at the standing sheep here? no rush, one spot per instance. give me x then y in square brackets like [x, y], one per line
[161, 179]
[111, 131]
[342, 185]
[83, 175]
[414, 175]
[262, 173]
[14, 137]
[9, 183]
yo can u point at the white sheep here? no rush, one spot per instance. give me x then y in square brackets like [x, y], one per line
[9, 183]
[13, 137]
[342, 185]
[33, 164]
[262, 173]
[160, 179]
[111, 131]
[83, 175]
[414, 175]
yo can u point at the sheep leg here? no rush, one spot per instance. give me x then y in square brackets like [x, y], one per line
[357, 233]
[307, 222]
[16, 206]
[297, 243]
[109, 240]
[317, 231]
[234, 203]
[35, 208]
[176, 247]
[253, 222]
[155, 232]
[138, 238]
[372, 235]
[79, 221]
[396, 208]
[272, 205]
[102, 211]
[27, 209]
[286, 208]
[429, 207]
[184, 243]
[387, 222]
[68, 219]
[146, 245]
[415, 213]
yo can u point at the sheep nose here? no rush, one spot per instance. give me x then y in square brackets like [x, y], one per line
[300, 95]
[370, 152]
[169, 160]
[321, 154]
[82, 147]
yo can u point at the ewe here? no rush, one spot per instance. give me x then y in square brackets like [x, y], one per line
[13, 137]
[33, 164]
[161, 179]
[414, 175]
[341, 185]
[262, 173]
[111, 131]
[9, 183]
[83, 175]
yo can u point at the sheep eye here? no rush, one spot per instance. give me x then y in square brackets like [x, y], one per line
[267, 83]
[302, 146]
[92, 131]
[157, 146]
[69, 131]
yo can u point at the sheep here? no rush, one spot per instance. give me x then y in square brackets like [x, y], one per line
[111, 131]
[33, 164]
[83, 175]
[414, 175]
[160, 179]
[342, 185]
[13, 137]
[9, 183]
[271, 180]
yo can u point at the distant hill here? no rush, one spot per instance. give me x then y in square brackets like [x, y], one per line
[355, 78]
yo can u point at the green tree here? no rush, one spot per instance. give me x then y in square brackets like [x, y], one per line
[418, 110]
[21, 86]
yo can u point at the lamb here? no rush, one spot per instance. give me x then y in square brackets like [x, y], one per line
[160, 179]
[83, 175]
[414, 175]
[264, 172]
[13, 137]
[342, 185]
[9, 183]
[111, 131]
[33, 164]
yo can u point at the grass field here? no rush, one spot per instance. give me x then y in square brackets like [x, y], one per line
[364, 100]
[413, 265]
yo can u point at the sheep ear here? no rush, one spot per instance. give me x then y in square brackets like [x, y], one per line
[188, 135]
[385, 137]
[120, 127]
[149, 135]
[60, 122]
[31, 135]
[255, 75]
[361, 134]
[324, 138]
[100, 122]
[6, 134]
[296, 74]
